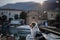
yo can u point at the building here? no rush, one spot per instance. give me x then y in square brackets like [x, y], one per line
[35, 12]
[32, 16]
[10, 13]
[52, 14]
[52, 9]
[31, 8]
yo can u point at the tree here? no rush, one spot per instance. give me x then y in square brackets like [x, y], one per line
[16, 16]
[4, 18]
[23, 15]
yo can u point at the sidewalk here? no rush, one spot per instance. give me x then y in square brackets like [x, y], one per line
[51, 29]
[51, 36]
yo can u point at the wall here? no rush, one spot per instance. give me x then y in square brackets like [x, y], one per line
[51, 15]
[32, 16]
[9, 13]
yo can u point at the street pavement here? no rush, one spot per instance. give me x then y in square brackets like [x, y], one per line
[51, 36]
[50, 29]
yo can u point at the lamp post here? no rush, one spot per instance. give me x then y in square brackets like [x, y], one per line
[58, 6]
[45, 15]
[40, 11]
[58, 15]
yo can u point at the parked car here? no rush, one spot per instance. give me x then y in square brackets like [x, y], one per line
[21, 31]
[15, 23]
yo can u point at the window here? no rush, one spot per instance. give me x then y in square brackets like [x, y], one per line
[9, 13]
[33, 17]
[51, 15]
[6, 12]
[1, 13]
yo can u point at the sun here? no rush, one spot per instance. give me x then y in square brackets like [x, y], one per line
[40, 1]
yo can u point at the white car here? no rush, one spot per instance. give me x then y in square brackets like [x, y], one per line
[24, 30]
[14, 23]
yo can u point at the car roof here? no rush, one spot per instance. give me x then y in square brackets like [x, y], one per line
[24, 26]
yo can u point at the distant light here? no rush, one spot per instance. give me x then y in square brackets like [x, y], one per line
[44, 11]
[57, 1]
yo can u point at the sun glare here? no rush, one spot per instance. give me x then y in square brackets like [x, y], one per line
[42, 2]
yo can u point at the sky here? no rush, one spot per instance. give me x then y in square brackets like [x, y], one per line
[4, 2]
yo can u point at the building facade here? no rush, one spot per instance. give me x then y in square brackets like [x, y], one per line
[52, 14]
[32, 15]
[10, 13]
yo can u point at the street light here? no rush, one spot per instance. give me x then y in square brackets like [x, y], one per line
[45, 15]
[57, 1]
[44, 11]
[39, 17]
[41, 9]
[58, 6]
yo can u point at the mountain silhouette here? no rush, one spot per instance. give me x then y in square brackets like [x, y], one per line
[23, 6]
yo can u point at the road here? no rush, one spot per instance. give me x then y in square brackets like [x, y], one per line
[50, 29]
[51, 36]
[54, 33]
